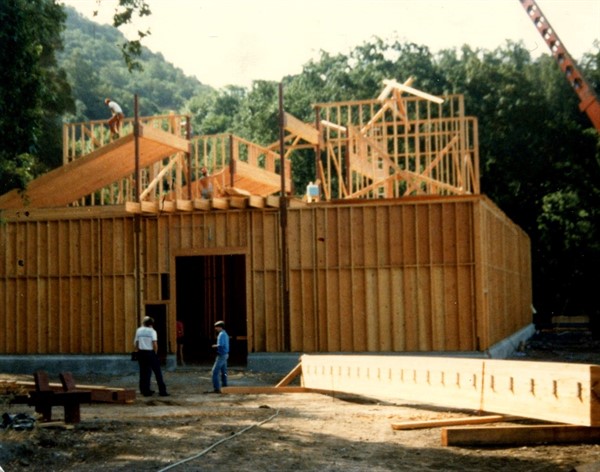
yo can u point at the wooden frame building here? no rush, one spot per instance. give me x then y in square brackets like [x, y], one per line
[402, 260]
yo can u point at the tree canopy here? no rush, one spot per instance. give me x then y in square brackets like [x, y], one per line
[34, 93]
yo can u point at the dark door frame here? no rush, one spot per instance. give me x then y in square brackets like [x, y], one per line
[199, 333]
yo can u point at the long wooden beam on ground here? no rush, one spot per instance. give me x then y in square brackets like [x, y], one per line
[264, 390]
[510, 435]
[452, 422]
[550, 391]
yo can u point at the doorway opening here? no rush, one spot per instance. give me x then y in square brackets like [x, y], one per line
[208, 289]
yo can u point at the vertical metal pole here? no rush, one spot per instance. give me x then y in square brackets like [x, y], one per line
[137, 224]
[285, 292]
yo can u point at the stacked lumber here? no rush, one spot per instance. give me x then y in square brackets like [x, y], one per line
[99, 394]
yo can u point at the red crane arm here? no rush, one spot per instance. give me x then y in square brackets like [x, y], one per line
[588, 101]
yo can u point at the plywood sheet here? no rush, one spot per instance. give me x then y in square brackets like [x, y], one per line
[96, 170]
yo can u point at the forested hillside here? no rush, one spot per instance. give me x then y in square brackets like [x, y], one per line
[95, 69]
[540, 158]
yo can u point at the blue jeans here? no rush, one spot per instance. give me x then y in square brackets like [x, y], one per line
[219, 372]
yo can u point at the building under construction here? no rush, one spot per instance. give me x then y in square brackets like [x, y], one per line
[393, 250]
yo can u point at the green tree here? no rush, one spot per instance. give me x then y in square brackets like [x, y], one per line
[95, 69]
[33, 90]
[126, 12]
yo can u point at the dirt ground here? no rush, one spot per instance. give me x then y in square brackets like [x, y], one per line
[194, 431]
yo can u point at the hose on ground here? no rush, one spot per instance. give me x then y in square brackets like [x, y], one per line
[212, 446]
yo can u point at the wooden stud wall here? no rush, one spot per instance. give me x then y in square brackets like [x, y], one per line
[412, 274]
[398, 147]
[67, 286]
[386, 277]
[506, 275]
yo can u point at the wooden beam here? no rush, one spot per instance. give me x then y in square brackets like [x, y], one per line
[167, 206]
[236, 192]
[220, 203]
[297, 203]
[173, 141]
[202, 204]
[99, 393]
[133, 207]
[184, 205]
[150, 207]
[239, 202]
[452, 422]
[295, 372]
[264, 390]
[550, 391]
[329, 124]
[257, 201]
[390, 86]
[273, 201]
[152, 185]
[414, 91]
[520, 435]
[298, 127]
[425, 172]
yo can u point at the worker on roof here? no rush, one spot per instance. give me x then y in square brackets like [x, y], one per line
[116, 119]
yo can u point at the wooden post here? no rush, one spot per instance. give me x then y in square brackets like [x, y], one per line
[188, 156]
[285, 293]
[318, 145]
[136, 135]
[231, 162]
[137, 218]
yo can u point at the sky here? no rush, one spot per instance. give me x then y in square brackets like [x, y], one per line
[233, 42]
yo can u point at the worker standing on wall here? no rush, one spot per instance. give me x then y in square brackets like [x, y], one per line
[115, 121]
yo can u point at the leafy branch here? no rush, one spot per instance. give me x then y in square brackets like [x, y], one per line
[125, 14]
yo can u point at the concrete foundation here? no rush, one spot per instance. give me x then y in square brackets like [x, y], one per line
[273, 362]
[509, 346]
[284, 362]
[276, 363]
[76, 364]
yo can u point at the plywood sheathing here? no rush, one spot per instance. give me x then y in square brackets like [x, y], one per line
[98, 169]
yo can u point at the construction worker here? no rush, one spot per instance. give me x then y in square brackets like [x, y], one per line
[116, 119]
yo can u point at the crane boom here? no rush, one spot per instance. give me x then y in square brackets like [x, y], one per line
[588, 101]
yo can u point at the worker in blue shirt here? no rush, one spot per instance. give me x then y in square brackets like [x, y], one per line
[219, 370]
